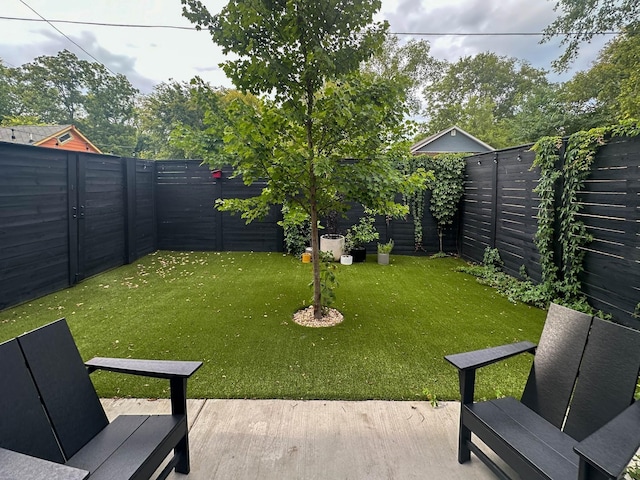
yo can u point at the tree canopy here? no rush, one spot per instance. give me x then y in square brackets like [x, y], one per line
[581, 20]
[482, 94]
[321, 112]
[63, 89]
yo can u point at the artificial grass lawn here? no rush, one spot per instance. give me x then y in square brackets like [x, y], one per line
[233, 311]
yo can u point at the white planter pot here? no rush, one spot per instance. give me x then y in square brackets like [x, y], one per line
[346, 259]
[333, 244]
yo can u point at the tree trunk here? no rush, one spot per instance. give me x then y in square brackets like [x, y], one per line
[313, 207]
[315, 250]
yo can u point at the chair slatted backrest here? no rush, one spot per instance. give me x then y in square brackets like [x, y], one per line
[66, 390]
[607, 380]
[24, 426]
[557, 360]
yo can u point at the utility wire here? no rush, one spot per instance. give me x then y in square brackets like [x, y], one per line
[100, 24]
[178, 27]
[65, 36]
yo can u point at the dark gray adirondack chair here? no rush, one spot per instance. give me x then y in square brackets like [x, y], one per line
[52, 423]
[576, 418]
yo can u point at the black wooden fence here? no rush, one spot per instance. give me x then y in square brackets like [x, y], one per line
[65, 216]
[499, 210]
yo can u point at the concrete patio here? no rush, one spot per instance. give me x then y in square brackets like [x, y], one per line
[290, 439]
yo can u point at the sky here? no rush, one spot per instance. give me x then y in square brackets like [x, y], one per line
[149, 56]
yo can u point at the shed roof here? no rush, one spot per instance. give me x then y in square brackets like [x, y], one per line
[435, 141]
[38, 134]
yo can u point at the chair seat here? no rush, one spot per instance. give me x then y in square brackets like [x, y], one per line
[129, 446]
[507, 426]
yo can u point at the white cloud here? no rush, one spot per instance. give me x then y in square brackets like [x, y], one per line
[150, 56]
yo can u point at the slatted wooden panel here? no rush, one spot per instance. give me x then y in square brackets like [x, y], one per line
[185, 194]
[103, 220]
[34, 240]
[516, 211]
[264, 235]
[477, 207]
[145, 209]
[611, 212]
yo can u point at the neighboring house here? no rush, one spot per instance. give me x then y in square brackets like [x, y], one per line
[65, 137]
[451, 140]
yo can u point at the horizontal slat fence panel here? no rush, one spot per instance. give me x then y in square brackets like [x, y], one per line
[499, 210]
[34, 244]
[263, 235]
[477, 207]
[145, 208]
[102, 212]
[610, 209]
[186, 219]
[516, 211]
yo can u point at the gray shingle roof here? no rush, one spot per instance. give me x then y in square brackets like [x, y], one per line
[29, 134]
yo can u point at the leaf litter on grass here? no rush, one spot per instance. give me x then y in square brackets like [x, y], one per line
[234, 311]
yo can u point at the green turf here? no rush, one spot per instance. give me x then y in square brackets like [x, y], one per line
[233, 311]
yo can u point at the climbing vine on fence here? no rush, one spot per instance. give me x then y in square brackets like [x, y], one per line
[446, 188]
[547, 155]
[446, 183]
[579, 155]
[415, 201]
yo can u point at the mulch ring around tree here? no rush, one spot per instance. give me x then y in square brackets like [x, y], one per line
[329, 318]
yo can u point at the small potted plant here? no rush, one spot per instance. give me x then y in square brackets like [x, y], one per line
[358, 236]
[346, 259]
[384, 249]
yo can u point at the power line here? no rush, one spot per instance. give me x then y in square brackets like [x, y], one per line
[494, 34]
[420, 34]
[100, 24]
[65, 36]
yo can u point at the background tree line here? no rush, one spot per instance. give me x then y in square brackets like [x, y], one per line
[501, 100]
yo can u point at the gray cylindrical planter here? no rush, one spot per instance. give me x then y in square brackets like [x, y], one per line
[383, 259]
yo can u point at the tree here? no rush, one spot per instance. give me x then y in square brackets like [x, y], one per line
[610, 90]
[7, 103]
[581, 20]
[66, 90]
[109, 103]
[198, 131]
[170, 106]
[410, 64]
[481, 94]
[304, 53]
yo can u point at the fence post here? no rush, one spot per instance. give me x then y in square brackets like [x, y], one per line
[129, 170]
[73, 212]
[558, 204]
[217, 193]
[494, 202]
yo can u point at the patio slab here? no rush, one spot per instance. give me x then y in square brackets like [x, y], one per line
[288, 439]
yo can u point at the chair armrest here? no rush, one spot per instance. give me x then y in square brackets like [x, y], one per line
[177, 372]
[25, 467]
[610, 449]
[149, 368]
[480, 358]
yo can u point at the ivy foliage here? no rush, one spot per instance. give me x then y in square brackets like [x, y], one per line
[560, 222]
[446, 184]
[490, 273]
[447, 188]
